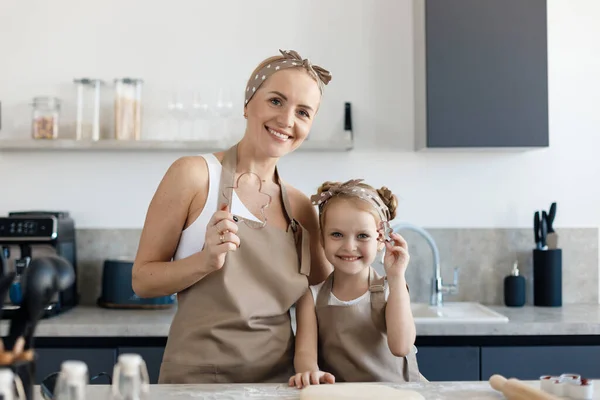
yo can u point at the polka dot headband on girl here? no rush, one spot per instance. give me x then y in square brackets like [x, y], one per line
[352, 188]
[291, 60]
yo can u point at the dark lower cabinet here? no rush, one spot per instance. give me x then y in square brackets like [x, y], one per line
[151, 355]
[436, 363]
[97, 360]
[531, 362]
[449, 363]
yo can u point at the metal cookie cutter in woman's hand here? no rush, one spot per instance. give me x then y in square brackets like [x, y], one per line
[263, 217]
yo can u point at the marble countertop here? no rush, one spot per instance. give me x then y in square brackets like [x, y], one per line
[582, 319]
[430, 391]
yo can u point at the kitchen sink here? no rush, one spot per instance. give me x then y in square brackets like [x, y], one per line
[455, 312]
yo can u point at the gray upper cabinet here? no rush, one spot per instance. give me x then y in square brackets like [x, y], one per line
[481, 74]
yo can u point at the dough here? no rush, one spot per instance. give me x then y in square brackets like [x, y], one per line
[356, 391]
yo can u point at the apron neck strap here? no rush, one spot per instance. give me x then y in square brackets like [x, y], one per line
[325, 292]
[376, 282]
[228, 166]
[376, 287]
[286, 201]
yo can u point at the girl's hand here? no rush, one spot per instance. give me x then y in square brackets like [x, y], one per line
[304, 379]
[396, 256]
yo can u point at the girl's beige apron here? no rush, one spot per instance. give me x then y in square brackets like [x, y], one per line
[234, 324]
[352, 339]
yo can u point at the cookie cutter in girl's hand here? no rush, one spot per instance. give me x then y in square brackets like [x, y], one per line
[263, 220]
[385, 235]
[386, 232]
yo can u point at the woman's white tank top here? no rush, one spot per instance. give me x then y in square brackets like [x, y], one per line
[192, 238]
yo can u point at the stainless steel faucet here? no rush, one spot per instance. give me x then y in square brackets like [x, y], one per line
[438, 289]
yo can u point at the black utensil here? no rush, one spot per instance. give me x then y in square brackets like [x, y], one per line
[63, 278]
[551, 216]
[544, 230]
[552, 235]
[39, 283]
[536, 230]
[65, 275]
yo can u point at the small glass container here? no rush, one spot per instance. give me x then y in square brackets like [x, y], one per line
[72, 381]
[128, 108]
[46, 111]
[130, 378]
[88, 108]
[8, 383]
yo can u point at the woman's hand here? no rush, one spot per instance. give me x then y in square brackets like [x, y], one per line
[396, 256]
[303, 379]
[221, 237]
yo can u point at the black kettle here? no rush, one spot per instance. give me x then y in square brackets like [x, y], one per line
[117, 290]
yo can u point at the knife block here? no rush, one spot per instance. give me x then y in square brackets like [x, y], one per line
[547, 278]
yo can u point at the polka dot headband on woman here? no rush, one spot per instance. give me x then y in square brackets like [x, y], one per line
[291, 60]
[352, 188]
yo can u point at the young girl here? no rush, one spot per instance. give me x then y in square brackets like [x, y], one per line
[359, 323]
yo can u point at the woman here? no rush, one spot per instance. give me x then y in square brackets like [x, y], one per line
[238, 257]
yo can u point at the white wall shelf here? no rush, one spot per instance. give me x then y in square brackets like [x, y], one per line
[31, 145]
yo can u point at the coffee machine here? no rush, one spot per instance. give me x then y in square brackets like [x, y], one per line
[25, 235]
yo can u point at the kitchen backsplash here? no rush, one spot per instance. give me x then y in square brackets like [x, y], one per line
[484, 256]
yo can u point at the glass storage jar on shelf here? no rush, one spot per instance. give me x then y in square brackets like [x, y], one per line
[88, 108]
[44, 123]
[128, 108]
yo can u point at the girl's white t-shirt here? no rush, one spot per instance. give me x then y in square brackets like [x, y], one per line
[334, 301]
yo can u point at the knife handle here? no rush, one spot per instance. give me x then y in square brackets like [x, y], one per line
[551, 216]
[544, 229]
[536, 229]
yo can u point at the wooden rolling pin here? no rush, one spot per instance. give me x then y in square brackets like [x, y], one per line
[514, 389]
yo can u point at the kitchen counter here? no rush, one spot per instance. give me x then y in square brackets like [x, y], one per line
[580, 319]
[549, 340]
[431, 391]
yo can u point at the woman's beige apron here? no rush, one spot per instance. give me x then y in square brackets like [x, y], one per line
[353, 341]
[233, 326]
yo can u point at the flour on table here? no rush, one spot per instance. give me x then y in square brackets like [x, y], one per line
[356, 391]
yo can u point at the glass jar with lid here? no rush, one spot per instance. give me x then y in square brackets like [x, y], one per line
[88, 108]
[128, 108]
[45, 114]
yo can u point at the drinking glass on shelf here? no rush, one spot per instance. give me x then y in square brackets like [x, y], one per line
[224, 109]
[224, 105]
[176, 114]
[200, 114]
